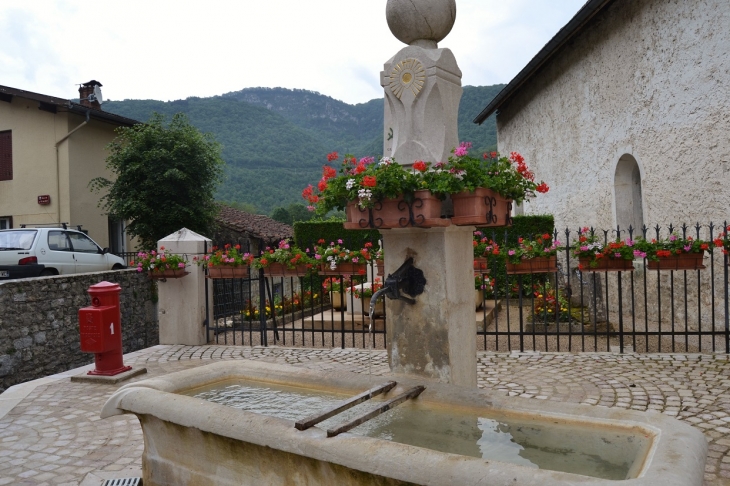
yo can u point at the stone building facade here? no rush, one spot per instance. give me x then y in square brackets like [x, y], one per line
[626, 115]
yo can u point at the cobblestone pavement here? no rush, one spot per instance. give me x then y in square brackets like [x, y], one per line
[54, 435]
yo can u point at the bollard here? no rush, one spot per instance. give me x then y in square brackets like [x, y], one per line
[100, 326]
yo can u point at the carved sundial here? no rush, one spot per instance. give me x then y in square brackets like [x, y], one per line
[407, 74]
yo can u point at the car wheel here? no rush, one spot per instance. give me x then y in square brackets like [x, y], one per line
[48, 272]
[118, 267]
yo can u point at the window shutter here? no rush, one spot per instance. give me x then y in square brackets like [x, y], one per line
[6, 156]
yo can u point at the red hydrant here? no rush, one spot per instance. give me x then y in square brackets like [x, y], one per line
[101, 329]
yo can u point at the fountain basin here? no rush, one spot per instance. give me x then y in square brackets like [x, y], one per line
[192, 441]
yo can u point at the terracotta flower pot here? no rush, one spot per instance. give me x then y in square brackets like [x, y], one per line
[169, 273]
[381, 267]
[606, 265]
[534, 265]
[483, 208]
[225, 271]
[281, 270]
[357, 218]
[344, 268]
[683, 261]
[480, 265]
[423, 212]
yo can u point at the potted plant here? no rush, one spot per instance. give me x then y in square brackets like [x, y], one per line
[375, 195]
[335, 259]
[227, 262]
[484, 248]
[596, 256]
[538, 255]
[722, 241]
[160, 265]
[673, 253]
[483, 287]
[365, 293]
[484, 188]
[286, 260]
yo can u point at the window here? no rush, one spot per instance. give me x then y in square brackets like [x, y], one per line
[6, 222]
[57, 241]
[6, 156]
[83, 243]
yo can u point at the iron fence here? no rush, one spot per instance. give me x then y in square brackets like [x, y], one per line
[569, 309]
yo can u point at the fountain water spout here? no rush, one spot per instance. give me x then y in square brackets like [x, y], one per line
[406, 280]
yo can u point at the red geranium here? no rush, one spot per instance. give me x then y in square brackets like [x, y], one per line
[369, 181]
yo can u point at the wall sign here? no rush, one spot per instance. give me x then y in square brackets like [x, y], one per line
[44, 200]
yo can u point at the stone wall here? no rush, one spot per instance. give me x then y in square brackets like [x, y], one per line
[647, 78]
[39, 332]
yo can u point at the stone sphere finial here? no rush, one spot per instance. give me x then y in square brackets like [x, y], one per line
[420, 22]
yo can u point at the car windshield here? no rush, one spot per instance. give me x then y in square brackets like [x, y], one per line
[17, 240]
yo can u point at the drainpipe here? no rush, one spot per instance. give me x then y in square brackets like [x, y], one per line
[58, 168]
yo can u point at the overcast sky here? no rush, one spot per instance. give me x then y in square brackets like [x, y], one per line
[168, 50]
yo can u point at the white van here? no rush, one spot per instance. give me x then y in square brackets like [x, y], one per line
[33, 252]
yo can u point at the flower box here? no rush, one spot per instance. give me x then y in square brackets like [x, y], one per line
[606, 265]
[534, 265]
[483, 208]
[168, 273]
[280, 270]
[423, 212]
[344, 268]
[480, 265]
[226, 271]
[682, 261]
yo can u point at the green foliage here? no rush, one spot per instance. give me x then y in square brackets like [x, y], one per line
[306, 234]
[291, 214]
[274, 139]
[165, 178]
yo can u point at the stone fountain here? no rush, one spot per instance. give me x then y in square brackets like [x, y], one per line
[431, 337]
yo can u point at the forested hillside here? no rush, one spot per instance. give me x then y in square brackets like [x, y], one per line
[275, 140]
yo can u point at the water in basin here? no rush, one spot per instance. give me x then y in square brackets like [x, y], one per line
[603, 452]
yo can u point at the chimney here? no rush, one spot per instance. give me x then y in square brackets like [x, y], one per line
[86, 91]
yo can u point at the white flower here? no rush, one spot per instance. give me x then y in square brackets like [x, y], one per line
[349, 183]
[385, 161]
[333, 265]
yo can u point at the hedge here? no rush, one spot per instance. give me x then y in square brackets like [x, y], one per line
[307, 233]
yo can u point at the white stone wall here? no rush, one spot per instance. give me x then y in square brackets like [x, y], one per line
[647, 77]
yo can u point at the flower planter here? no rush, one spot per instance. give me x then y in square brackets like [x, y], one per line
[225, 271]
[534, 265]
[478, 298]
[379, 307]
[169, 273]
[281, 270]
[480, 265]
[483, 208]
[356, 218]
[606, 265]
[381, 267]
[423, 212]
[683, 261]
[344, 268]
[338, 300]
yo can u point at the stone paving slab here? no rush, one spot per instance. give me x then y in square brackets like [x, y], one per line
[51, 433]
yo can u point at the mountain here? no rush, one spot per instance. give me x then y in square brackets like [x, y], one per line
[275, 140]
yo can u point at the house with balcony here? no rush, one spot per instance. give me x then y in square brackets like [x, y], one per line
[50, 148]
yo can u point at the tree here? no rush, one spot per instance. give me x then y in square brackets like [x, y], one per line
[291, 214]
[165, 178]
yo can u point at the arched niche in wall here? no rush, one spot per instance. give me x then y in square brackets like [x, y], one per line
[627, 193]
